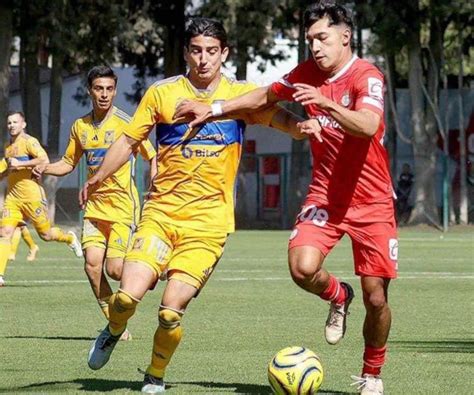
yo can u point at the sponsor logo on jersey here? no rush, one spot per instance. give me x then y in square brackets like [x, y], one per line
[325, 121]
[84, 138]
[199, 153]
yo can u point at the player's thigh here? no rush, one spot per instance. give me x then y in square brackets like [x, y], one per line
[195, 257]
[137, 278]
[375, 249]
[150, 246]
[94, 234]
[312, 238]
[178, 294]
[11, 217]
[37, 213]
[118, 241]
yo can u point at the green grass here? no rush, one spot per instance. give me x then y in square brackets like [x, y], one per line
[249, 310]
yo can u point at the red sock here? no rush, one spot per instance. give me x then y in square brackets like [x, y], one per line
[374, 358]
[334, 292]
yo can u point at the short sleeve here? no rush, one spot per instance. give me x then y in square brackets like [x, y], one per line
[74, 149]
[283, 88]
[146, 115]
[35, 149]
[369, 90]
[146, 149]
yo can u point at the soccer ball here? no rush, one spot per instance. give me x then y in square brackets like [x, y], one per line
[295, 370]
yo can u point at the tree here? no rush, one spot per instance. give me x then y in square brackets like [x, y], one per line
[6, 28]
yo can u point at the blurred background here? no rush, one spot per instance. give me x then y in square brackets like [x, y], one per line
[423, 47]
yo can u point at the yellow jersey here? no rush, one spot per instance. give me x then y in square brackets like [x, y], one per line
[195, 182]
[21, 186]
[117, 198]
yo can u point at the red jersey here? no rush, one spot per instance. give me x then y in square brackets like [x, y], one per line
[347, 170]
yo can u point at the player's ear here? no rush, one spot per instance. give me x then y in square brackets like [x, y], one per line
[224, 54]
[346, 37]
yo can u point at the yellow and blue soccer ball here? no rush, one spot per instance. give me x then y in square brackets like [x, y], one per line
[295, 370]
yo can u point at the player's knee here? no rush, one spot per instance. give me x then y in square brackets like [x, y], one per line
[92, 268]
[122, 301]
[114, 270]
[169, 319]
[375, 300]
[46, 236]
[303, 271]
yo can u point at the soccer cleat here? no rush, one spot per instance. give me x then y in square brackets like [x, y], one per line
[336, 321]
[126, 336]
[32, 253]
[11, 257]
[368, 384]
[75, 246]
[153, 385]
[2, 281]
[101, 349]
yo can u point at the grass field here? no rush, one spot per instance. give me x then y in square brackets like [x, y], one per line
[249, 310]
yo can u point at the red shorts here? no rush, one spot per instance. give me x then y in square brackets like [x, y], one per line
[371, 228]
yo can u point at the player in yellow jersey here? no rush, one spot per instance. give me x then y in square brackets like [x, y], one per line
[190, 210]
[25, 197]
[112, 211]
[21, 231]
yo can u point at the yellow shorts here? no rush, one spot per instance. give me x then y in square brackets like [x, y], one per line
[15, 212]
[189, 255]
[111, 236]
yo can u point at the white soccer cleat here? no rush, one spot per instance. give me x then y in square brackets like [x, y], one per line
[126, 336]
[336, 321]
[2, 281]
[101, 349]
[75, 246]
[32, 253]
[368, 384]
[153, 385]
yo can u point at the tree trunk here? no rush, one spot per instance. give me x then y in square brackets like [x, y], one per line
[55, 94]
[423, 148]
[5, 53]
[174, 41]
[391, 130]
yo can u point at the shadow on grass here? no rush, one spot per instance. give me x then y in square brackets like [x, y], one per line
[434, 346]
[51, 337]
[103, 385]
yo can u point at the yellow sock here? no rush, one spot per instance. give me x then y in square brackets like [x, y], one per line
[25, 233]
[166, 340]
[5, 248]
[104, 306]
[15, 241]
[57, 234]
[121, 307]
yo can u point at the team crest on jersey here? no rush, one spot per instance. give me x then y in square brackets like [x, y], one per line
[346, 99]
[138, 243]
[393, 249]
[109, 137]
[84, 138]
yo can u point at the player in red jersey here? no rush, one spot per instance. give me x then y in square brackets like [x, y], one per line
[351, 189]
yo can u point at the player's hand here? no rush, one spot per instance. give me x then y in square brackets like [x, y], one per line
[311, 127]
[38, 170]
[199, 112]
[91, 185]
[13, 163]
[307, 94]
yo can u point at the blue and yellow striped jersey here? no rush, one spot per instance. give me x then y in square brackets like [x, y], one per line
[197, 168]
[20, 184]
[117, 198]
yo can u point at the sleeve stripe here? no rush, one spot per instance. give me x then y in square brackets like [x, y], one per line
[373, 102]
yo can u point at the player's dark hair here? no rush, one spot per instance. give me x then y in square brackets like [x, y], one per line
[20, 113]
[100, 72]
[336, 14]
[206, 27]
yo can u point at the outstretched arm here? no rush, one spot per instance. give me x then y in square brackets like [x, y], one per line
[200, 112]
[295, 126]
